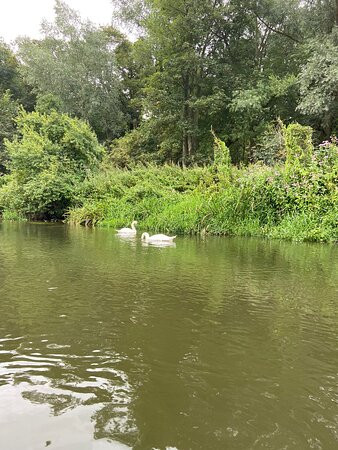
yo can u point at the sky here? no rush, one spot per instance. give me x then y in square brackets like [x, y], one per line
[23, 17]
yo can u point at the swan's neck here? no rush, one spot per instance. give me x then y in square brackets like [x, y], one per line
[133, 226]
[145, 236]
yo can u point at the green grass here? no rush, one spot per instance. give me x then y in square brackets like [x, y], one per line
[13, 216]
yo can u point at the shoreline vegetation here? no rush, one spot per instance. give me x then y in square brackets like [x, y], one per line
[220, 118]
[295, 199]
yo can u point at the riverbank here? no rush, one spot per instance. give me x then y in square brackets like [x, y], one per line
[62, 179]
[295, 203]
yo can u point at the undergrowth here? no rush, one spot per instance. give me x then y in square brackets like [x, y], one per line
[280, 202]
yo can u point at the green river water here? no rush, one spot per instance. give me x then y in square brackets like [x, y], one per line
[217, 343]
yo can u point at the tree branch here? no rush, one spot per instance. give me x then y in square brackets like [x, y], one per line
[283, 33]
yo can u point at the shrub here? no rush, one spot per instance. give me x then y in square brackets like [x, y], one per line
[52, 154]
[270, 146]
[221, 152]
[298, 145]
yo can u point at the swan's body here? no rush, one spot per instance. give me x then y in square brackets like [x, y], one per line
[157, 238]
[128, 231]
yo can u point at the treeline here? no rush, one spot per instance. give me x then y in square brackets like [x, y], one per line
[237, 66]
[210, 83]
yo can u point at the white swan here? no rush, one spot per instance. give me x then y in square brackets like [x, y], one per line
[157, 238]
[128, 231]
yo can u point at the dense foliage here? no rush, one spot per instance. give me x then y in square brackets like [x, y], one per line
[297, 200]
[8, 112]
[233, 65]
[13, 91]
[11, 78]
[220, 116]
[49, 158]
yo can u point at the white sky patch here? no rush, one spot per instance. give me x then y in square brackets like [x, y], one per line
[24, 17]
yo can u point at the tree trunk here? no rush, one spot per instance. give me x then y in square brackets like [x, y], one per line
[257, 40]
[190, 145]
[190, 121]
[184, 148]
[185, 119]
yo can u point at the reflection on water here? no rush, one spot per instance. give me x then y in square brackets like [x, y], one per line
[159, 244]
[212, 344]
[126, 238]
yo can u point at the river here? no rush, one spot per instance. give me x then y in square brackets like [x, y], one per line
[216, 343]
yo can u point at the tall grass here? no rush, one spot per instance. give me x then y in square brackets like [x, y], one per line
[279, 202]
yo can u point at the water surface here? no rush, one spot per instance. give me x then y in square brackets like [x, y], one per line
[222, 343]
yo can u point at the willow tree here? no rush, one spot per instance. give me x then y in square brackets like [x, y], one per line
[76, 62]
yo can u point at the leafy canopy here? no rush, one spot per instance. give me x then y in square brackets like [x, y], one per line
[8, 112]
[318, 82]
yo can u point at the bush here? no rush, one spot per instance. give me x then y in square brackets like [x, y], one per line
[298, 145]
[52, 154]
[137, 146]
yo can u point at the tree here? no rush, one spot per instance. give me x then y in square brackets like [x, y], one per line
[205, 56]
[11, 79]
[13, 91]
[177, 38]
[318, 82]
[75, 62]
[320, 16]
[8, 112]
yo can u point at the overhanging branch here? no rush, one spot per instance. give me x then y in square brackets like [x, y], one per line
[275, 30]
